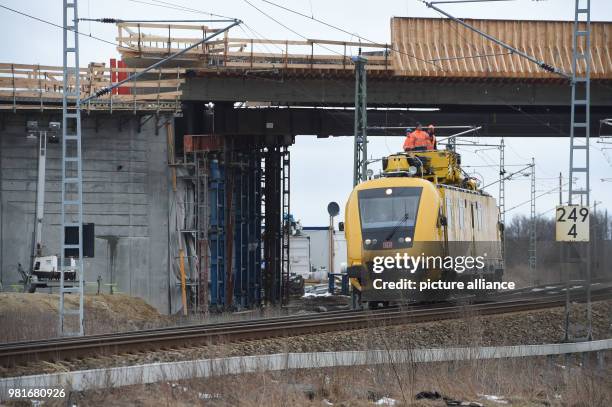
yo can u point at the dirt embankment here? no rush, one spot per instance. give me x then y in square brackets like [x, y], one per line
[35, 316]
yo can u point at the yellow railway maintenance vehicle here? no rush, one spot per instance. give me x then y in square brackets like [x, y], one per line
[420, 231]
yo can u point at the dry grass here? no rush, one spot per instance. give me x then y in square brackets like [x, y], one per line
[35, 316]
[520, 382]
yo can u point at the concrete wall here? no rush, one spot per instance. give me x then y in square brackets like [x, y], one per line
[126, 186]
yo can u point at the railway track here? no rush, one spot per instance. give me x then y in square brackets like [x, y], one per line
[18, 353]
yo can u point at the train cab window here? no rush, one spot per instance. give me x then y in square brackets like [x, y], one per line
[379, 208]
[388, 216]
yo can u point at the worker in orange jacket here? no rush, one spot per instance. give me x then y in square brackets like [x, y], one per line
[431, 131]
[418, 140]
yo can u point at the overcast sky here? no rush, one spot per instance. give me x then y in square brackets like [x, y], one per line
[322, 168]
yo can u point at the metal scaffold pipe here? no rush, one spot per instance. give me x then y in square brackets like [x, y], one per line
[159, 63]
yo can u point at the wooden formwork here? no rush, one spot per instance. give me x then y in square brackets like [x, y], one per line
[25, 86]
[420, 47]
[439, 47]
[229, 52]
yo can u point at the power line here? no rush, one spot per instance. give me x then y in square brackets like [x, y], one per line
[108, 20]
[287, 28]
[60, 26]
[541, 64]
[518, 109]
[555, 189]
[496, 54]
[256, 34]
[349, 33]
[496, 166]
[179, 7]
[159, 63]
[175, 6]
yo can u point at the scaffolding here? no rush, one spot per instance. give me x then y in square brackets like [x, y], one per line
[286, 232]
[40, 87]
[224, 214]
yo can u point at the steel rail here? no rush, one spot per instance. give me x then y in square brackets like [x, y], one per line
[522, 292]
[13, 354]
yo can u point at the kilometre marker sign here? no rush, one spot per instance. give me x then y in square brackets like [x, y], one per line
[572, 223]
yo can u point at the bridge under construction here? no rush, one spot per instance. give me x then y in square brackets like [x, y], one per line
[186, 171]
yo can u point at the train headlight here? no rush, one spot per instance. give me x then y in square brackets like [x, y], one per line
[412, 170]
[374, 241]
[407, 239]
[367, 242]
[388, 191]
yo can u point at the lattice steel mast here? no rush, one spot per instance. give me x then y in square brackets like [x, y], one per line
[580, 106]
[580, 128]
[532, 228]
[72, 174]
[502, 197]
[360, 160]
[72, 177]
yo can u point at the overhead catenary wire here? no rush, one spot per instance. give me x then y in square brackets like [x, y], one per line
[159, 63]
[335, 27]
[495, 54]
[257, 35]
[502, 100]
[464, 1]
[41, 20]
[555, 189]
[174, 6]
[288, 28]
[509, 175]
[110, 20]
[496, 166]
[541, 64]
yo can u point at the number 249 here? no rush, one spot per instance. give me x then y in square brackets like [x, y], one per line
[573, 215]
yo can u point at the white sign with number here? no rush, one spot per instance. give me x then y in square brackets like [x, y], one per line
[572, 223]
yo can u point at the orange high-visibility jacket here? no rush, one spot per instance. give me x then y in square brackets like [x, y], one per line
[418, 138]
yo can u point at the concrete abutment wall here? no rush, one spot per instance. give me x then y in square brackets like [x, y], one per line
[125, 191]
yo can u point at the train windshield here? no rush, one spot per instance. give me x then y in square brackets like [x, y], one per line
[388, 208]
